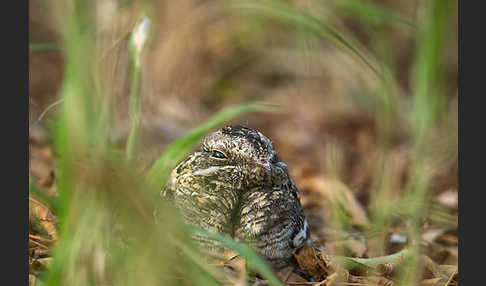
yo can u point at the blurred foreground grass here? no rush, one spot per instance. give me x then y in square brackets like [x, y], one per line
[105, 202]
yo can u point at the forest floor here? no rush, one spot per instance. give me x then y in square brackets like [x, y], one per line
[327, 131]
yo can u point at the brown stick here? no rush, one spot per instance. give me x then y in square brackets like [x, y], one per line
[38, 243]
[450, 278]
[40, 238]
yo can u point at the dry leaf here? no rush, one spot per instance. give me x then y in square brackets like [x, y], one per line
[316, 263]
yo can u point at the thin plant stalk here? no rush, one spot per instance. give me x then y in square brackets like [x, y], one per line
[427, 108]
[136, 46]
[76, 130]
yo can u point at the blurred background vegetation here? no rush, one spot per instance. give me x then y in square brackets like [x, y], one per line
[359, 98]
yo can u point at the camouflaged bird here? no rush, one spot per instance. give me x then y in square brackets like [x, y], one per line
[236, 184]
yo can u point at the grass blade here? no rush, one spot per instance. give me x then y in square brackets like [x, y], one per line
[41, 47]
[252, 258]
[427, 107]
[373, 13]
[351, 263]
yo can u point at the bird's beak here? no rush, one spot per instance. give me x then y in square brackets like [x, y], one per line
[269, 166]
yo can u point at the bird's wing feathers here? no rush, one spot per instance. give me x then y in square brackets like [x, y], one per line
[272, 221]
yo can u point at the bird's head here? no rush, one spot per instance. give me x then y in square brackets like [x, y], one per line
[240, 156]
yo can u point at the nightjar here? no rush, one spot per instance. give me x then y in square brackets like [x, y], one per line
[236, 184]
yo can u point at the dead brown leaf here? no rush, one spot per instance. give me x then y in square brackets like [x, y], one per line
[314, 262]
[320, 266]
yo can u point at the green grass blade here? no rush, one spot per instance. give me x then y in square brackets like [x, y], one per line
[427, 100]
[375, 14]
[351, 263]
[76, 126]
[196, 258]
[41, 47]
[427, 108]
[252, 258]
[176, 151]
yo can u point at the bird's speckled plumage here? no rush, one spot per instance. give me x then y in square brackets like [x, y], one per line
[237, 185]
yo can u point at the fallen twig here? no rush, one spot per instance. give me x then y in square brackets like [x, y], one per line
[450, 278]
[38, 244]
[40, 238]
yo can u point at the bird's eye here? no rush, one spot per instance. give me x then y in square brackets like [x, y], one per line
[218, 155]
